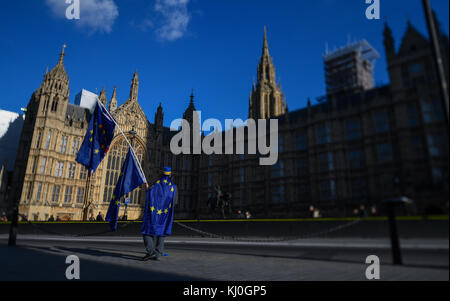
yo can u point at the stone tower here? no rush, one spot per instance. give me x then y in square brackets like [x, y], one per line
[53, 94]
[45, 116]
[266, 99]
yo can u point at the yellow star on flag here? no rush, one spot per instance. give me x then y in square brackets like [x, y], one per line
[165, 211]
[90, 139]
[165, 181]
[170, 205]
[92, 132]
[96, 151]
[170, 183]
[152, 208]
[171, 189]
[113, 197]
[157, 182]
[159, 212]
[117, 202]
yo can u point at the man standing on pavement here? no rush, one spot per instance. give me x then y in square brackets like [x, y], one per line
[158, 215]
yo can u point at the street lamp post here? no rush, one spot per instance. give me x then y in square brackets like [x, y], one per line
[437, 55]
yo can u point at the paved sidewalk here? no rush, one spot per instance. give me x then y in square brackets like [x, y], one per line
[118, 258]
[346, 243]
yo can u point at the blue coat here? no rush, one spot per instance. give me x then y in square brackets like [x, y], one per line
[158, 213]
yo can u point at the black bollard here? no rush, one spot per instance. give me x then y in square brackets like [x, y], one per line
[393, 233]
[13, 228]
[395, 244]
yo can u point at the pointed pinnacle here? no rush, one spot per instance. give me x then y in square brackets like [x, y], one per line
[265, 43]
[62, 54]
[114, 95]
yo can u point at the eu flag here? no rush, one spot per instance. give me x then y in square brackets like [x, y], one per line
[98, 138]
[158, 213]
[130, 178]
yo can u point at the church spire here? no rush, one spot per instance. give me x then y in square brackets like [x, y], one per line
[266, 70]
[102, 97]
[62, 54]
[266, 99]
[265, 43]
[188, 113]
[159, 117]
[389, 43]
[192, 98]
[134, 87]
[113, 102]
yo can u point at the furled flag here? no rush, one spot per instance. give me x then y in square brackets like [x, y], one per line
[98, 138]
[130, 178]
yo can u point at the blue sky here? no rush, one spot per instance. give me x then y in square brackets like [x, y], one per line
[211, 46]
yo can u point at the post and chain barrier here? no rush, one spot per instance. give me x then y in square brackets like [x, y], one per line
[304, 236]
[123, 225]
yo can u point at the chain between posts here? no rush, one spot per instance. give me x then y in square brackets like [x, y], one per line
[305, 236]
[213, 235]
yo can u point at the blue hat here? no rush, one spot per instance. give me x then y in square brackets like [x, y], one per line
[167, 171]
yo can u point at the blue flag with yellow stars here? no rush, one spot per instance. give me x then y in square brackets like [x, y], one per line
[130, 178]
[97, 140]
[158, 213]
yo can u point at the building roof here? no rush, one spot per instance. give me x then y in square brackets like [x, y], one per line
[77, 113]
[343, 103]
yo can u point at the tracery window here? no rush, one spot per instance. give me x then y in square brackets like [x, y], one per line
[114, 162]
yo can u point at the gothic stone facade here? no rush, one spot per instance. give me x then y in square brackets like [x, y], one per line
[48, 181]
[351, 150]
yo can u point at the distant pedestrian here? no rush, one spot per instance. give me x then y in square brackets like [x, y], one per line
[311, 210]
[58, 219]
[92, 218]
[240, 215]
[362, 210]
[248, 215]
[100, 217]
[316, 213]
[51, 219]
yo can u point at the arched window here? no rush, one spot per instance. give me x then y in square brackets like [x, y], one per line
[116, 157]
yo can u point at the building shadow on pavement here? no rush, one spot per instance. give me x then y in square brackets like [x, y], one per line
[30, 263]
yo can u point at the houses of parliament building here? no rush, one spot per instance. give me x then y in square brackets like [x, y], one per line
[358, 145]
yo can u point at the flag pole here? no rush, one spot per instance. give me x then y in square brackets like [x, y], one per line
[86, 195]
[126, 139]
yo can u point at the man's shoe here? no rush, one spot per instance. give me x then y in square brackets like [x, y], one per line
[147, 257]
[154, 257]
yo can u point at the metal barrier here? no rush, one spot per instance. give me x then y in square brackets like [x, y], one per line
[241, 231]
[122, 225]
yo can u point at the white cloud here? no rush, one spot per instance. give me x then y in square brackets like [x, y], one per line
[175, 19]
[95, 15]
